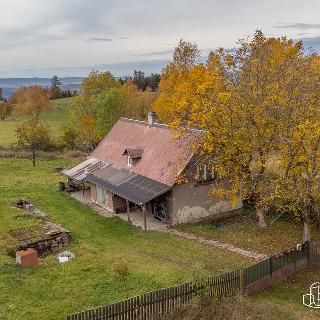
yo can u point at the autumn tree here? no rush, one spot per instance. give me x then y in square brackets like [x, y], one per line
[82, 117]
[297, 189]
[68, 137]
[5, 109]
[243, 100]
[102, 100]
[34, 135]
[137, 102]
[31, 100]
[186, 56]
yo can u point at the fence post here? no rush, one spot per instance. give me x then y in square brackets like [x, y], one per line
[270, 265]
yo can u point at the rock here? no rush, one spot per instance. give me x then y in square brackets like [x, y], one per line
[65, 256]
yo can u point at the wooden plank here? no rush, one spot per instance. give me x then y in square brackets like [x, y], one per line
[104, 313]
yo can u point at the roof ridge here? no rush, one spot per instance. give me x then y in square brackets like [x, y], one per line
[145, 123]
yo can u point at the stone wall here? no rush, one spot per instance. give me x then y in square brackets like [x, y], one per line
[53, 238]
[50, 244]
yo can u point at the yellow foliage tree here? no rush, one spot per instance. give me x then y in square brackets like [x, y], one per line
[31, 100]
[254, 104]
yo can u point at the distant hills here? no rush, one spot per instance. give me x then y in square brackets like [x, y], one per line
[9, 85]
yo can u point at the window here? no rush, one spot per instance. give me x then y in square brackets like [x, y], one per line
[205, 173]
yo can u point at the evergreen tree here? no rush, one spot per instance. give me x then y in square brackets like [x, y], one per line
[55, 90]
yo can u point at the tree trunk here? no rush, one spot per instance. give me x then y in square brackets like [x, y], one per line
[307, 217]
[306, 232]
[33, 156]
[262, 219]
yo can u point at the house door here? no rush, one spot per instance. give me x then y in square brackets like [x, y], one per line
[101, 195]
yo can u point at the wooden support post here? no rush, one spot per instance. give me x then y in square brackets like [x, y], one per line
[144, 210]
[128, 210]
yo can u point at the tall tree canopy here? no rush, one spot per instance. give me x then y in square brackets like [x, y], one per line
[5, 109]
[31, 100]
[55, 89]
[34, 135]
[257, 105]
[101, 101]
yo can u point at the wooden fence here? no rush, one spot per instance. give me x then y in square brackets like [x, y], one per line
[274, 263]
[314, 254]
[152, 305]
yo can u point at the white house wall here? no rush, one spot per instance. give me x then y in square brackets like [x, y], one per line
[193, 203]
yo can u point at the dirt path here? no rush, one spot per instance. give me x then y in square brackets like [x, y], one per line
[217, 244]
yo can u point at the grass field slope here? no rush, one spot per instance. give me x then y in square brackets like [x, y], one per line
[55, 117]
[53, 290]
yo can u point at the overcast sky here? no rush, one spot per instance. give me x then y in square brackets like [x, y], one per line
[70, 37]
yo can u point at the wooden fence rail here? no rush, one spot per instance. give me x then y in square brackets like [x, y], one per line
[156, 303]
[152, 305]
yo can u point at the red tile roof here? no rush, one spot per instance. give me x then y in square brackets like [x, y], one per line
[163, 157]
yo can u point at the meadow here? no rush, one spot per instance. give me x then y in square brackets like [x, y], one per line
[53, 290]
[55, 116]
[244, 232]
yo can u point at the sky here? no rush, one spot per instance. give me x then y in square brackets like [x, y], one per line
[39, 38]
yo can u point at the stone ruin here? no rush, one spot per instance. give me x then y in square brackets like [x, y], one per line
[53, 237]
[28, 205]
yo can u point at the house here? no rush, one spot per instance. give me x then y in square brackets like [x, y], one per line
[138, 165]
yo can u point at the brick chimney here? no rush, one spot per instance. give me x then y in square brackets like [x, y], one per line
[152, 118]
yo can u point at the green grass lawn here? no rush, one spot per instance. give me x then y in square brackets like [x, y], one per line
[53, 290]
[288, 295]
[55, 117]
[245, 232]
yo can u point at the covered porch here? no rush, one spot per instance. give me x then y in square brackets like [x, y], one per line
[122, 193]
[135, 216]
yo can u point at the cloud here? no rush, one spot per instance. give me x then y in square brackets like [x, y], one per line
[299, 26]
[40, 34]
[99, 39]
[155, 53]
